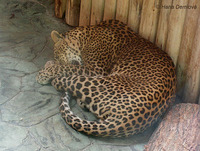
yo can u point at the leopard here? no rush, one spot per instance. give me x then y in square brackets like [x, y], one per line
[125, 80]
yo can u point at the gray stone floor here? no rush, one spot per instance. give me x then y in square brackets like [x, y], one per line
[29, 113]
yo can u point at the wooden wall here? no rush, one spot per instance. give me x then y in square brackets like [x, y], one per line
[174, 29]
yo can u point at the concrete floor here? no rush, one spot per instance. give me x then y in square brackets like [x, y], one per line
[29, 113]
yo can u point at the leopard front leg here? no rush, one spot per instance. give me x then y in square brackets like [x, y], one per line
[48, 73]
[53, 69]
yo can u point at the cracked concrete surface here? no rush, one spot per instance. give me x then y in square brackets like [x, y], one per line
[29, 113]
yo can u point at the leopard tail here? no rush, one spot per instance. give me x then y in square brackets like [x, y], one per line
[103, 128]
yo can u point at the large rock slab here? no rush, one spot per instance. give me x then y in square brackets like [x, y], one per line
[179, 130]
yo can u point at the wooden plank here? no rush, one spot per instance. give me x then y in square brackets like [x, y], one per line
[72, 12]
[162, 30]
[97, 11]
[192, 86]
[149, 19]
[60, 7]
[175, 23]
[109, 9]
[122, 10]
[189, 31]
[85, 11]
[135, 7]
[181, 128]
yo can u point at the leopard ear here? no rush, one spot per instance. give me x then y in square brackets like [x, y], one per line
[56, 36]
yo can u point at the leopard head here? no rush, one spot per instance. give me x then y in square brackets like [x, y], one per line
[66, 50]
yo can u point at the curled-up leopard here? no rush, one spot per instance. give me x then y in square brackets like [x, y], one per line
[124, 79]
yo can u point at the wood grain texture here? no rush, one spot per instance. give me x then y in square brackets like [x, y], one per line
[162, 30]
[60, 7]
[97, 11]
[149, 19]
[135, 10]
[85, 12]
[175, 23]
[122, 10]
[178, 131]
[189, 30]
[110, 9]
[72, 12]
[192, 86]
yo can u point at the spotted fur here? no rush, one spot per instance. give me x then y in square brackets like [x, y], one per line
[124, 79]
